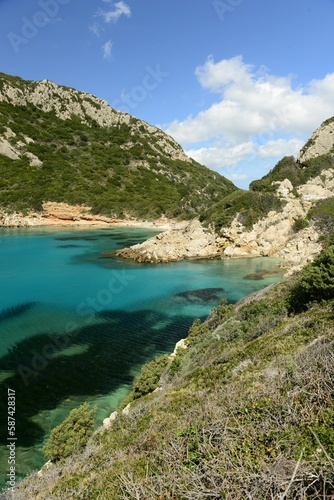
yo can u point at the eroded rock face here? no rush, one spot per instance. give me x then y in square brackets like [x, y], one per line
[274, 235]
[54, 214]
[321, 142]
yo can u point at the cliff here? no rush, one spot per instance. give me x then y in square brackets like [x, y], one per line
[321, 142]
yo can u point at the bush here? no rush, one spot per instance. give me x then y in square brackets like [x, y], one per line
[299, 224]
[71, 435]
[149, 377]
[316, 282]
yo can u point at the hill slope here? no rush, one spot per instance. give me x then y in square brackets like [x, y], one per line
[61, 145]
[245, 411]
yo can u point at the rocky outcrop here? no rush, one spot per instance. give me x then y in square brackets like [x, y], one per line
[7, 150]
[191, 241]
[272, 236]
[321, 142]
[54, 214]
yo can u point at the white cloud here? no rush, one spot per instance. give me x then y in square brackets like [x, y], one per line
[218, 156]
[95, 28]
[280, 148]
[255, 114]
[119, 9]
[106, 49]
[237, 177]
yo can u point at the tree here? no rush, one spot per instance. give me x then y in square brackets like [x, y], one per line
[71, 435]
[316, 282]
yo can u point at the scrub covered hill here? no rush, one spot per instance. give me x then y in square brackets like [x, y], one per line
[58, 144]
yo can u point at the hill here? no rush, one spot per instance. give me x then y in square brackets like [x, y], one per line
[61, 145]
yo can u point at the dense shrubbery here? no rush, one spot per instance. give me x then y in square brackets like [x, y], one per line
[287, 168]
[71, 435]
[323, 215]
[149, 377]
[116, 170]
[297, 173]
[250, 205]
[316, 282]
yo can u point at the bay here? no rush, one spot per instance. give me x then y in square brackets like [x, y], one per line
[77, 324]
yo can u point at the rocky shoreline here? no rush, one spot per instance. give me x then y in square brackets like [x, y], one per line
[195, 242]
[189, 241]
[272, 236]
[63, 215]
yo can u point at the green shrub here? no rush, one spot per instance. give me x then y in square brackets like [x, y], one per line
[316, 282]
[323, 214]
[71, 435]
[149, 377]
[299, 224]
[287, 168]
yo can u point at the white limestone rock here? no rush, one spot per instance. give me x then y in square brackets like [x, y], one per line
[321, 142]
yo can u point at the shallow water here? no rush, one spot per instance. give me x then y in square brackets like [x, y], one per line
[76, 324]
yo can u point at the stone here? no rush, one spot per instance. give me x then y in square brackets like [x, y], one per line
[321, 142]
[7, 150]
[126, 410]
[107, 422]
[181, 344]
[191, 241]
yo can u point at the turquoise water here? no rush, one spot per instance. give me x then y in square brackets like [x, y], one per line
[76, 323]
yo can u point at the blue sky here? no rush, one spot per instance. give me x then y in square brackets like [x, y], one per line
[238, 83]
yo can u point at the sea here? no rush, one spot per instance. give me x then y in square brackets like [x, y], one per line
[77, 323]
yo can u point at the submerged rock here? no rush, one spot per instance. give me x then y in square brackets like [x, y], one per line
[262, 274]
[201, 295]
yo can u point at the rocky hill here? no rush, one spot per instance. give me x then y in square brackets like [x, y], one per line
[60, 145]
[282, 214]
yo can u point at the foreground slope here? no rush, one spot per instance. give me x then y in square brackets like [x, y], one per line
[245, 411]
[61, 145]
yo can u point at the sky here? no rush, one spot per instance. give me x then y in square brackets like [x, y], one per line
[238, 83]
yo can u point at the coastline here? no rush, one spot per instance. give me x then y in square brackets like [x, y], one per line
[272, 236]
[72, 217]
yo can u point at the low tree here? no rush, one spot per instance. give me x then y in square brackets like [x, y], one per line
[71, 435]
[316, 282]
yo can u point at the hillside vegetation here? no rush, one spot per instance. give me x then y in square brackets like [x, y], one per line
[261, 198]
[246, 411]
[127, 168]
